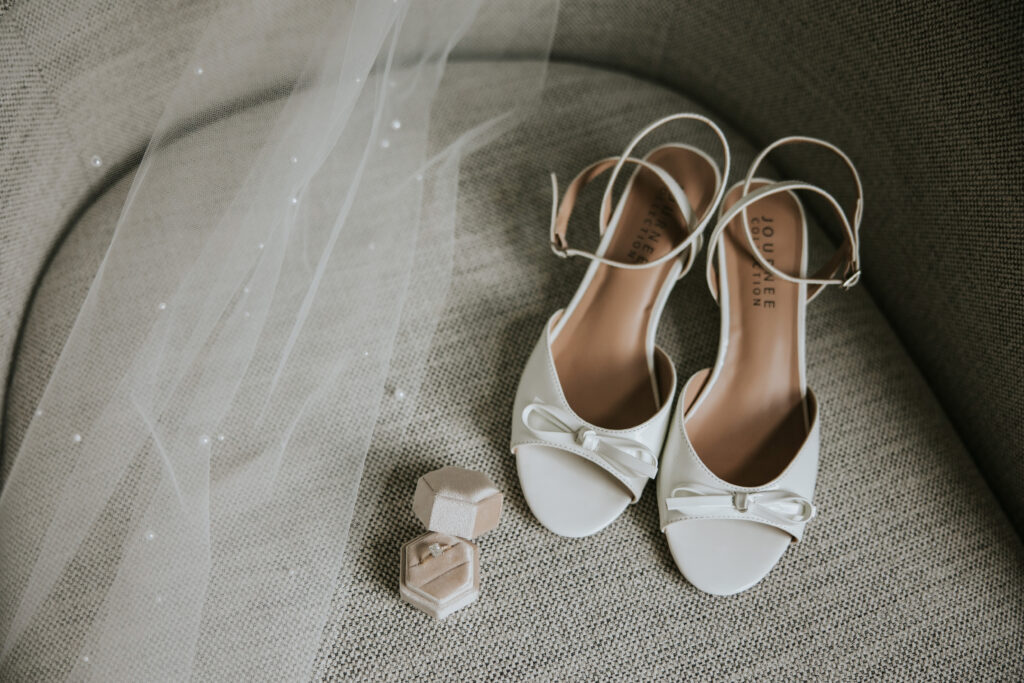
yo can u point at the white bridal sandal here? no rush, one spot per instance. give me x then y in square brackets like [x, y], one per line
[594, 399]
[741, 457]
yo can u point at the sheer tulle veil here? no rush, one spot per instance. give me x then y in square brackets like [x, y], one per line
[180, 505]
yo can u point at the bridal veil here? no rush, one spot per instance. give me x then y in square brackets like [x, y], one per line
[180, 505]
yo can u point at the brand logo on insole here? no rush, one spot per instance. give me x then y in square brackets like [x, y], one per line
[763, 289]
[655, 223]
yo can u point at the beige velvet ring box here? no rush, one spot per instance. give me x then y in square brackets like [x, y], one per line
[440, 570]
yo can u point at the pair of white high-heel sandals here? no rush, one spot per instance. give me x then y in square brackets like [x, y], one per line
[592, 414]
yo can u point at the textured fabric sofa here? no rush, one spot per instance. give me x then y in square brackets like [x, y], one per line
[915, 569]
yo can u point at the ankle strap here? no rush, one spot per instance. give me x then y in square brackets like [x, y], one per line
[560, 212]
[843, 269]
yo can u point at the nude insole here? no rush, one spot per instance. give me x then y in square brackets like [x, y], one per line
[601, 351]
[751, 423]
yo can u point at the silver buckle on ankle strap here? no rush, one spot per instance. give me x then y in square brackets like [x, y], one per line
[852, 280]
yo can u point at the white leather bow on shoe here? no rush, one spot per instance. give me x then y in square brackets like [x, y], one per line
[740, 462]
[594, 400]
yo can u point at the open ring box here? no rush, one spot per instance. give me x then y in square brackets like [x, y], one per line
[441, 569]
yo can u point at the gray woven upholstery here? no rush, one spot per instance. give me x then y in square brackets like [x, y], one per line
[911, 571]
[920, 94]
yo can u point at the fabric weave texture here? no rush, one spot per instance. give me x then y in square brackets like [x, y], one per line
[911, 570]
[914, 568]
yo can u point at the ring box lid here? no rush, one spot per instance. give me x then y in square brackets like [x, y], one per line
[457, 501]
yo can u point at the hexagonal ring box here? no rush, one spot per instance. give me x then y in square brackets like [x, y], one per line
[441, 569]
